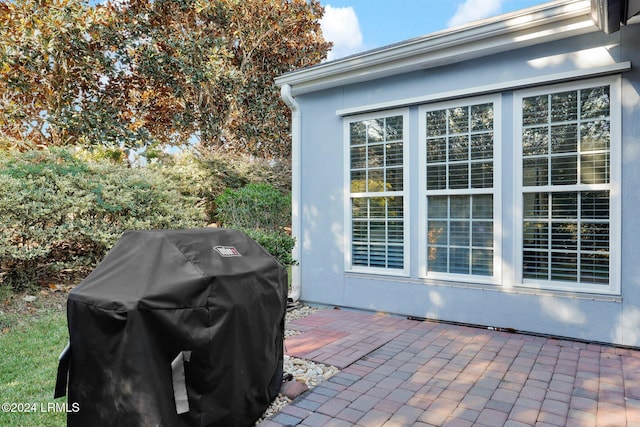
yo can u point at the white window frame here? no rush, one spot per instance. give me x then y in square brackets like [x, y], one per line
[348, 263]
[496, 191]
[615, 165]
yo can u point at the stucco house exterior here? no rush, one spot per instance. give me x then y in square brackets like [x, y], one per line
[487, 174]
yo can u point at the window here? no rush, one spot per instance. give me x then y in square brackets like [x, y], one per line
[376, 177]
[561, 191]
[458, 144]
[568, 146]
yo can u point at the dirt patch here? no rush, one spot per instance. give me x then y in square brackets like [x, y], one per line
[20, 308]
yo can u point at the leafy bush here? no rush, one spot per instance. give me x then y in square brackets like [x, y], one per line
[61, 214]
[278, 243]
[258, 206]
[264, 213]
[206, 175]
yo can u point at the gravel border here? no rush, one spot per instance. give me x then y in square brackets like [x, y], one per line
[305, 371]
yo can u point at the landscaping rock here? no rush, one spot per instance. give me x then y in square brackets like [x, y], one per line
[293, 389]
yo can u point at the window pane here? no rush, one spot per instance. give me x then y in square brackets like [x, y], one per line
[395, 257]
[481, 175]
[564, 267]
[360, 254]
[437, 259]
[595, 102]
[564, 170]
[396, 231]
[535, 110]
[395, 208]
[360, 231]
[375, 131]
[394, 179]
[459, 260]
[375, 183]
[437, 177]
[595, 136]
[358, 181]
[358, 157]
[377, 207]
[378, 232]
[594, 168]
[594, 268]
[394, 153]
[482, 206]
[437, 233]
[595, 205]
[535, 265]
[436, 150]
[564, 139]
[393, 128]
[377, 256]
[459, 233]
[535, 172]
[482, 117]
[482, 234]
[437, 123]
[458, 120]
[460, 206]
[360, 208]
[437, 207]
[536, 235]
[375, 156]
[482, 262]
[535, 141]
[564, 236]
[564, 205]
[564, 106]
[458, 148]
[358, 132]
[594, 237]
[482, 146]
[536, 205]
[459, 175]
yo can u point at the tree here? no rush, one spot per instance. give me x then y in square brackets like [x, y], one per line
[133, 74]
[268, 38]
[52, 73]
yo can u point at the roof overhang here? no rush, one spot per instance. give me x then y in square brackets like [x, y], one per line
[608, 15]
[540, 24]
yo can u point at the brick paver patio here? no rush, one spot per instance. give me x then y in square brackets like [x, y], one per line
[400, 372]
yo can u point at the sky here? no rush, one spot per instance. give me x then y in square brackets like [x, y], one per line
[359, 25]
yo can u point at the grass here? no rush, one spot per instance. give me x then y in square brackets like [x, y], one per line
[32, 335]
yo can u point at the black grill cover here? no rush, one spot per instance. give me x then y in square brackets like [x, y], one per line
[212, 301]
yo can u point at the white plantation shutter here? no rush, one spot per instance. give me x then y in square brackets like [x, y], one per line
[566, 173]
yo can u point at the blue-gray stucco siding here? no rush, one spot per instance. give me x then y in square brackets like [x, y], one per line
[322, 201]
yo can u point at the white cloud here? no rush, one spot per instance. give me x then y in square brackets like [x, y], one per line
[340, 25]
[472, 10]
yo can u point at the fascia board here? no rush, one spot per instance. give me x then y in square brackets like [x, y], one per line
[547, 22]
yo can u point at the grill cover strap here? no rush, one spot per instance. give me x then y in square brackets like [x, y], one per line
[63, 372]
[180, 382]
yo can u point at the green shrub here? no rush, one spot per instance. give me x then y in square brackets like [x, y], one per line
[256, 206]
[264, 213]
[206, 175]
[278, 243]
[60, 214]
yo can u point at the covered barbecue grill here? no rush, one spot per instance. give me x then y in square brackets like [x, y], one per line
[176, 328]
